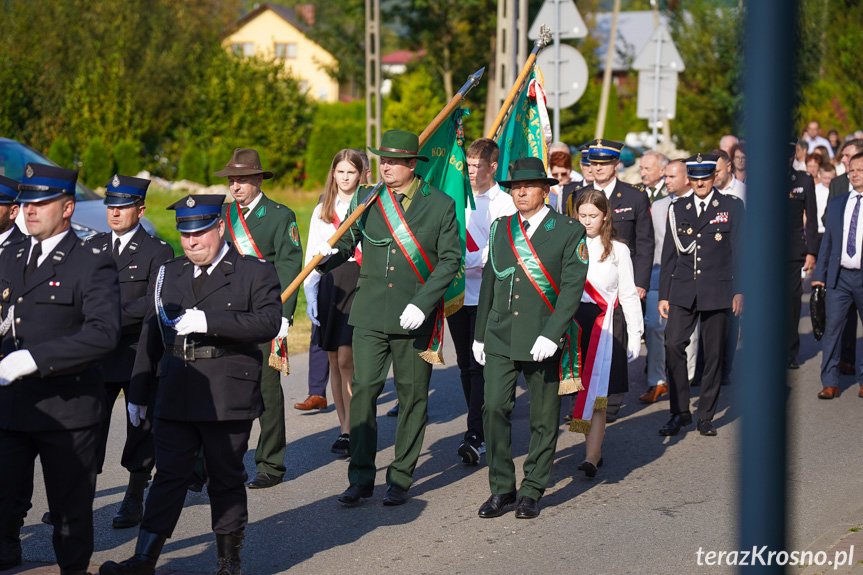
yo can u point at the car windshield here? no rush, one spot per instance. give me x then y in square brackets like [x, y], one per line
[14, 156]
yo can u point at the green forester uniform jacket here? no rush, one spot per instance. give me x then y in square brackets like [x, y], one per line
[387, 282]
[511, 313]
[274, 229]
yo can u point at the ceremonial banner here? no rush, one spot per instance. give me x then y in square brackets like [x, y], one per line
[527, 132]
[447, 171]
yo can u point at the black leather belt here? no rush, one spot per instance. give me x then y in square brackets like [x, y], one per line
[192, 351]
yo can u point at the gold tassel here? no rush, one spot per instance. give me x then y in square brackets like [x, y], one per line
[433, 357]
[600, 404]
[279, 364]
[568, 386]
[580, 426]
[454, 305]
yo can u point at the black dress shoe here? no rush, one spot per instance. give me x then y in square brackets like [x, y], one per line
[46, 518]
[354, 493]
[527, 508]
[677, 421]
[394, 412]
[493, 507]
[589, 468]
[264, 480]
[395, 495]
[792, 365]
[705, 427]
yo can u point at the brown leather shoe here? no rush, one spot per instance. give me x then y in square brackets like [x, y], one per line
[860, 393]
[828, 393]
[312, 402]
[653, 393]
[846, 368]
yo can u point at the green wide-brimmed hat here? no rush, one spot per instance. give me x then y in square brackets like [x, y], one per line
[399, 144]
[528, 170]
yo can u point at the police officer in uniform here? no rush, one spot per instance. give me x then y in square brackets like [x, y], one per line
[521, 327]
[61, 312]
[696, 282]
[9, 232]
[202, 342]
[138, 256]
[631, 209]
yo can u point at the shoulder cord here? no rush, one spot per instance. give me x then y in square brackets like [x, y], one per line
[501, 275]
[673, 220]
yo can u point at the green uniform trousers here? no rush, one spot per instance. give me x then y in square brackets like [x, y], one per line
[270, 452]
[372, 351]
[542, 380]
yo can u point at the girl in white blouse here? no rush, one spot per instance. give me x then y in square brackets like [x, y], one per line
[329, 298]
[607, 341]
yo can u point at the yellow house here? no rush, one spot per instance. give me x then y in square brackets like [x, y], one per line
[274, 31]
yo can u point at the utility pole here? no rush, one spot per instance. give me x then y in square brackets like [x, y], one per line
[606, 76]
[373, 79]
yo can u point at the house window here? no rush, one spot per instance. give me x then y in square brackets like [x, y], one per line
[284, 51]
[322, 94]
[246, 49]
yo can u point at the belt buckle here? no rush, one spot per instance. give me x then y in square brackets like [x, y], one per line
[187, 347]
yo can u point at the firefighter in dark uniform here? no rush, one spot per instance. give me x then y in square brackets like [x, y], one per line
[631, 209]
[138, 256]
[696, 282]
[9, 232]
[803, 250]
[61, 312]
[202, 341]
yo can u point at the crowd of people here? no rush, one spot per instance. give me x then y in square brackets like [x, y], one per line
[566, 272]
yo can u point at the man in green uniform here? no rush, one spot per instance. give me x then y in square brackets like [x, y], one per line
[258, 226]
[411, 253]
[531, 288]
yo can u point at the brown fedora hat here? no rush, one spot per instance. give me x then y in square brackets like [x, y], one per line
[244, 162]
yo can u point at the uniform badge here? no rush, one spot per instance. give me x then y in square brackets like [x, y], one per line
[718, 237]
[618, 194]
[688, 206]
[190, 203]
[261, 211]
[715, 203]
[29, 171]
[698, 158]
[54, 284]
[6, 293]
[689, 231]
[116, 181]
[581, 251]
[295, 234]
[549, 225]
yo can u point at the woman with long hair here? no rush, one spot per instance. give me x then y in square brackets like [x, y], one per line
[329, 298]
[607, 341]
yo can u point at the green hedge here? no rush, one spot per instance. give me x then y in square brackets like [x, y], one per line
[337, 126]
[127, 157]
[98, 166]
[61, 153]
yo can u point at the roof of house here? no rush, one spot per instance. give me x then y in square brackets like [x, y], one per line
[633, 32]
[401, 57]
[287, 14]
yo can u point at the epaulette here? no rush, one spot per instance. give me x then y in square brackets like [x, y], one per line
[178, 259]
[253, 258]
[639, 187]
[95, 237]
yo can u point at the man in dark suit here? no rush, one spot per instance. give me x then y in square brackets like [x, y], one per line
[696, 282]
[838, 268]
[61, 311]
[9, 232]
[531, 289]
[202, 340]
[839, 186]
[411, 253]
[259, 227]
[631, 209]
[138, 256]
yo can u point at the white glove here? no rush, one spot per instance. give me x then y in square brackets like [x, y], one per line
[543, 348]
[283, 331]
[325, 250]
[312, 311]
[193, 321]
[479, 352]
[136, 413]
[16, 364]
[632, 354]
[412, 317]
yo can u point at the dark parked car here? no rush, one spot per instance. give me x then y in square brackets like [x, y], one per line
[90, 215]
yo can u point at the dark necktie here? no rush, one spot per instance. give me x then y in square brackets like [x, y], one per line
[198, 281]
[115, 253]
[246, 211]
[400, 198]
[851, 244]
[702, 208]
[526, 226]
[34, 261]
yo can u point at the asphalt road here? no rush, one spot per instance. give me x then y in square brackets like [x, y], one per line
[654, 504]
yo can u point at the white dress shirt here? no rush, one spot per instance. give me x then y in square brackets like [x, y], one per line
[852, 263]
[735, 188]
[124, 239]
[319, 232]
[614, 278]
[253, 203]
[822, 193]
[47, 246]
[609, 190]
[698, 201]
[490, 205]
[819, 141]
[534, 221]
